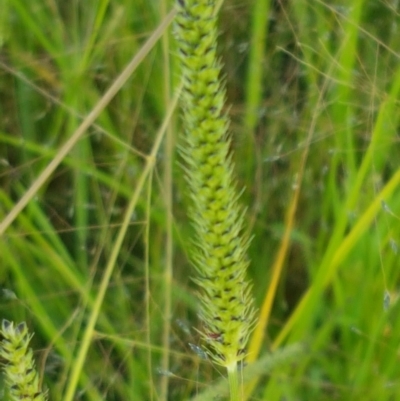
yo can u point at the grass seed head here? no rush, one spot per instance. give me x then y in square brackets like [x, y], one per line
[220, 254]
[19, 367]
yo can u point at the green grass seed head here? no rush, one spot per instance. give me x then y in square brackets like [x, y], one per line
[220, 254]
[19, 368]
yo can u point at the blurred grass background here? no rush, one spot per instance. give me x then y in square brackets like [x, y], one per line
[313, 89]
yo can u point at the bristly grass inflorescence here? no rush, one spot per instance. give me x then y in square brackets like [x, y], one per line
[19, 368]
[220, 254]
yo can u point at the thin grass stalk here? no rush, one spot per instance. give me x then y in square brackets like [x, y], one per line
[147, 298]
[255, 76]
[219, 254]
[167, 187]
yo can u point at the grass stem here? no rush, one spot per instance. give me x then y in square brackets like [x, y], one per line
[233, 380]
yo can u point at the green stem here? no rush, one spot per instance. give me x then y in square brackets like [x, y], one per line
[233, 379]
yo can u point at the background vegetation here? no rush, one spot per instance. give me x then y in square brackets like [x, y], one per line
[96, 263]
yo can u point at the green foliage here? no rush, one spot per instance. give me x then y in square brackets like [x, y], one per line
[326, 82]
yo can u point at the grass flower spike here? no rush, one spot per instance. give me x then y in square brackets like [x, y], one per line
[220, 253]
[19, 369]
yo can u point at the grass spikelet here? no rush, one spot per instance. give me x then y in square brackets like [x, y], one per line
[19, 368]
[220, 254]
